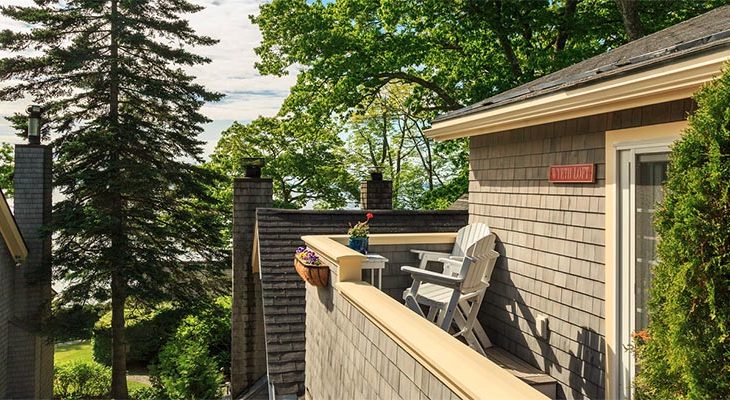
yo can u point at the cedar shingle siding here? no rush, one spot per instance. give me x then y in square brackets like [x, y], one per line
[355, 359]
[7, 265]
[553, 238]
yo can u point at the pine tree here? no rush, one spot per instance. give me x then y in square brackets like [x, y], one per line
[135, 222]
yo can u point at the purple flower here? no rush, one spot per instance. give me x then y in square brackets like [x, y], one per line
[308, 256]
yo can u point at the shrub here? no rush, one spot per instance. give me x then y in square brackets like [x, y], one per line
[81, 380]
[148, 393]
[187, 371]
[75, 322]
[146, 333]
[687, 353]
[190, 361]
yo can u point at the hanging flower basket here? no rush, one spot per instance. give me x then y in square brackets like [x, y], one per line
[310, 267]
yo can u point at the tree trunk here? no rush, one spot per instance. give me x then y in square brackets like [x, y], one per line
[119, 285]
[119, 345]
[630, 14]
[504, 41]
[563, 32]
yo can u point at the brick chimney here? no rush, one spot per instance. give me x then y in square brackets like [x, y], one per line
[376, 194]
[30, 355]
[248, 349]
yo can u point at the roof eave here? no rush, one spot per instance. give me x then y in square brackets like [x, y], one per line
[677, 80]
[11, 233]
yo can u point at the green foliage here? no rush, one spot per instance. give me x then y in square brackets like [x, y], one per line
[146, 333]
[188, 372]
[361, 229]
[7, 166]
[74, 322]
[148, 393]
[443, 196]
[352, 55]
[191, 361]
[125, 118]
[454, 52]
[687, 354]
[388, 133]
[305, 159]
[81, 381]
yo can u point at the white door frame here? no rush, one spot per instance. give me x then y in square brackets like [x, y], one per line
[626, 153]
[619, 139]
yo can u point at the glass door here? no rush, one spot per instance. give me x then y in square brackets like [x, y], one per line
[642, 171]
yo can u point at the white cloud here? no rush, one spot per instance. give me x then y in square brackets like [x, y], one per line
[231, 72]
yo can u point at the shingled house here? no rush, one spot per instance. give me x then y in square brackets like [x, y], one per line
[566, 170]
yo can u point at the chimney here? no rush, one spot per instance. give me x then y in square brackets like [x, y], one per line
[376, 194]
[30, 355]
[248, 351]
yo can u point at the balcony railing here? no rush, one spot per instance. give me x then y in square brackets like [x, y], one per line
[387, 347]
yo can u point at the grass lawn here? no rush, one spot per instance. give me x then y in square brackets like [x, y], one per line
[66, 353]
[82, 352]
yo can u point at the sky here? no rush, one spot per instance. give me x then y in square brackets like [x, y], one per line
[232, 72]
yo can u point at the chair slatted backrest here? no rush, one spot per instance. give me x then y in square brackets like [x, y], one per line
[478, 265]
[492, 255]
[467, 236]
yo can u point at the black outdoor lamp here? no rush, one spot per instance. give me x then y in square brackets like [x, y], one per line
[376, 173]
[252, 166]
[34, 124]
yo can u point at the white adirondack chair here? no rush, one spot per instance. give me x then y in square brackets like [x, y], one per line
[465, 237]
[456, 294]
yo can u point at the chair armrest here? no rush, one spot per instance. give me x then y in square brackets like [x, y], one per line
[452, 265]
[456, 261]
[432, 277]
[430, 254]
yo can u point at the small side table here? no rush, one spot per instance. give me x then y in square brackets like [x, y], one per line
[375, 262]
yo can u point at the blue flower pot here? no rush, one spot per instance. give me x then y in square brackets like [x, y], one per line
[359, 244]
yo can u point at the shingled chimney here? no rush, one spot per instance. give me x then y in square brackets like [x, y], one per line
[248, 351]
[30, 355]
[376, 193]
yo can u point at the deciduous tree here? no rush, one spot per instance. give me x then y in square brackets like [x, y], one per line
[453, 53]
[305, 159]
[388, 133]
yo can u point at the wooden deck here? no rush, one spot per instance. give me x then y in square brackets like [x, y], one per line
[541, 381]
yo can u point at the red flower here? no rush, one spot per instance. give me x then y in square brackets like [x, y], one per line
[369, 216]
[642, 335]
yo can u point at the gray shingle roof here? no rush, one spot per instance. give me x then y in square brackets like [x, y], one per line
[462, 203]
[700, 34]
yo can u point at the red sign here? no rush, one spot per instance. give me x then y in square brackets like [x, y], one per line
[576, 173]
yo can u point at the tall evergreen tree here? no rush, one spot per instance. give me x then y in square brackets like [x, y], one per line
[134, 222]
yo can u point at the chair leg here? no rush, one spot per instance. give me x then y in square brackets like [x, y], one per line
[468, 322]
[410, 298]
[483, 338]
[471, 340]
[448, 316]
[474, 325]
[432, 313]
